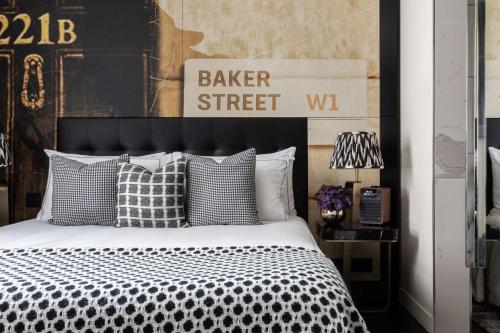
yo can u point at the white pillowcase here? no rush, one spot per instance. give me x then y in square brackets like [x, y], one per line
[168, 158]
[150, 162]
[289, 155]
[495, 172]
[274, 184]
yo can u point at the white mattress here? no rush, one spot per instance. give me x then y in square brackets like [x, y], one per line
[40, 234]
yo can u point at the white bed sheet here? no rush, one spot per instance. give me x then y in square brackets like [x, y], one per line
[493, 220]
[40, 234]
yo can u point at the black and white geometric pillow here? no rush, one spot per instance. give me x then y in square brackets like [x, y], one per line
[219, 194]
[84, 194]
[151, 199]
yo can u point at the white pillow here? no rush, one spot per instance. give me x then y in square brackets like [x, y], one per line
[495, 172]
[289, 155]
[150, 162]
[168, 158]
[274, 184]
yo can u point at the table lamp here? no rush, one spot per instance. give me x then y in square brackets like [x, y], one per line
[357, 150]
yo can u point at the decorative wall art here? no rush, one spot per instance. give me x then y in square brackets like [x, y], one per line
[89, 58]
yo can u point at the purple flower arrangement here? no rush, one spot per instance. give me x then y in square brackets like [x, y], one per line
[331, 197]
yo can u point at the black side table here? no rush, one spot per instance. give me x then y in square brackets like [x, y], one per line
[386, 236]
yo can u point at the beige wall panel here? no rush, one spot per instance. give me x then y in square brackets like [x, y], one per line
[168, 98]
[373, 97]
[284, 28]
[492, 88]
[293, 29]
[492, 35]
[175, 45]
[324, 131]
[492, 49]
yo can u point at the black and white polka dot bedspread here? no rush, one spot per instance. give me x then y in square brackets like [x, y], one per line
[224, 289]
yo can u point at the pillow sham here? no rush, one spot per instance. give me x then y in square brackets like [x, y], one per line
[274, 184]
[151, 199]
[495, 173]
[221, 193]
[84, 194]
[289, 156]
[151, 162]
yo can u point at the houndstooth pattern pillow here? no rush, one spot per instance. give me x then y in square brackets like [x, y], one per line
[151, 199]
[221, 193]
[83, 193]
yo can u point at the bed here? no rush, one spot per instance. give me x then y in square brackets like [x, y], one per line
[263, 278]
[493, 218]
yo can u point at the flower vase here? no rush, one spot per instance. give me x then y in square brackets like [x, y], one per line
[333, 216]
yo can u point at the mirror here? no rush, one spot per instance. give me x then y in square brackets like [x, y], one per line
[484, 216]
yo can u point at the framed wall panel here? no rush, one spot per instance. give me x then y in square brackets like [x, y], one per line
[7, 112]
[94, 84]
[7, 90]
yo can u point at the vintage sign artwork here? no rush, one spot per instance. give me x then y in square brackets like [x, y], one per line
[184, 58]
[275, 88]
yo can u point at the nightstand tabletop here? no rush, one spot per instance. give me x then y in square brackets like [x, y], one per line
[359, 233]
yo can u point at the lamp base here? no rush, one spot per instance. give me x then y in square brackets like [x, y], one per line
[351, 183]
[354, 186]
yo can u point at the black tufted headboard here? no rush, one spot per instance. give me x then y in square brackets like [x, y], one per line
[203, 136]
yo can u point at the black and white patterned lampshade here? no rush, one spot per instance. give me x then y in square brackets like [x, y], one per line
[357, 150]
[5, 157]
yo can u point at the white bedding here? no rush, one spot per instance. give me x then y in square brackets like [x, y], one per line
[493, 220]
[40, 234]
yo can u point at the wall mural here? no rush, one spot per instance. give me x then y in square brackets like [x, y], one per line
[143, 58]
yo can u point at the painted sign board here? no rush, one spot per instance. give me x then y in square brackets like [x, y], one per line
[275, 88]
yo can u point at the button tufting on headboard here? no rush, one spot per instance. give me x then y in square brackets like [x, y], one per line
[203, 136]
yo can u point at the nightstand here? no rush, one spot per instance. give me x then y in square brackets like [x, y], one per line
[386, 236]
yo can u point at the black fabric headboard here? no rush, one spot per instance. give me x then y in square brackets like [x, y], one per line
[202, 136]
[492, 140]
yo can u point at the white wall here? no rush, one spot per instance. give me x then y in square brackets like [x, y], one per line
[417, 105]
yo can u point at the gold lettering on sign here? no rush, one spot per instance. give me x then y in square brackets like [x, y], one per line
[319, 103]
[67, 34]
[21, 39]
[4, 24]
[66, 29]
[45, 30]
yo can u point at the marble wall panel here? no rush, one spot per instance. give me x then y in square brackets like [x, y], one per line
[450, 100]
[451, 277]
